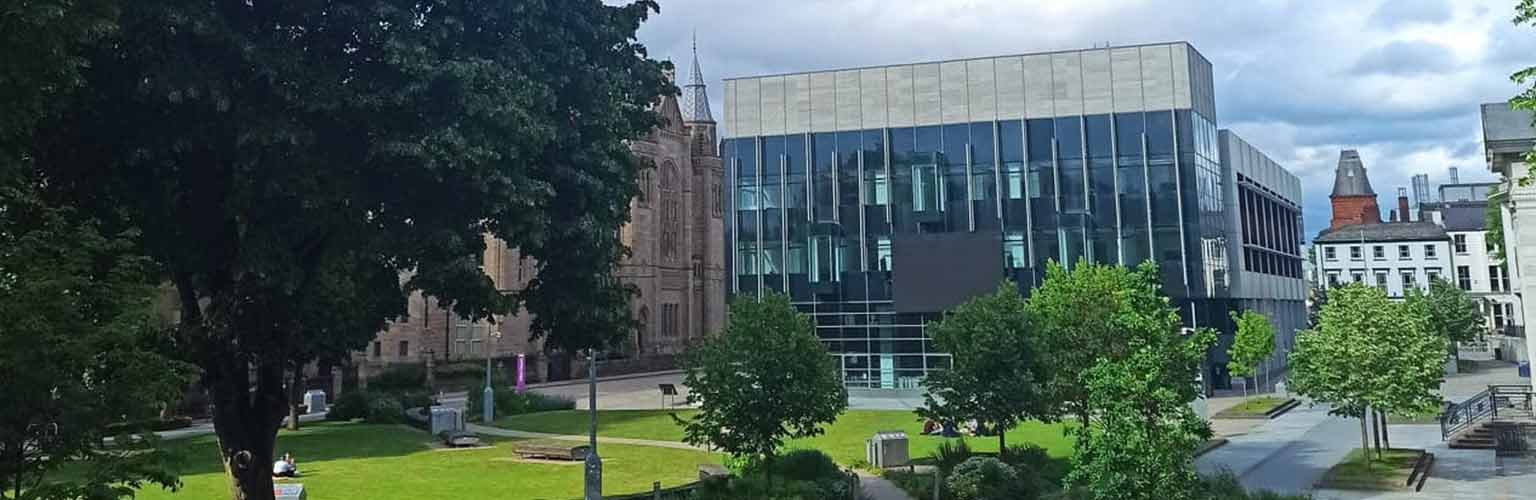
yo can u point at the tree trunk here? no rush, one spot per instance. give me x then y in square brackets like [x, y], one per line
[1375, 429]
[1365, 443]
[246, 421]
[1001, 444]
[295, 396]
[1386, 440]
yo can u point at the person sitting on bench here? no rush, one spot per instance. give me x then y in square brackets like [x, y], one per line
[285, 467]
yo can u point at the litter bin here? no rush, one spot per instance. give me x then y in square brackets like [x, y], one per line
[1525, 369]
[315, 400]
[887, 449]
[445, 419]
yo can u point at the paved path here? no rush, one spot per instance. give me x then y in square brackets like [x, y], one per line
[877, 488]
[497, 431]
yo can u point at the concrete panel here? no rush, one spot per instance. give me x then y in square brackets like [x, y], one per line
[823, 102]
[1098, 96]
[1010, 88]
[749, 104]
[1067, 83]
[773, 105]
[1038, 101]
[1181, 89]
[872, 97]
[1125, 65]
[925, 95]
[1157, 77]
[730, 110]
[848, 116]
[898, 100]
[955, 106]
[797, 99]
[981, 85]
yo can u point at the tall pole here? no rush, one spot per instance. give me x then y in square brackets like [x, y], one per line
[594, 465]
[488, 403]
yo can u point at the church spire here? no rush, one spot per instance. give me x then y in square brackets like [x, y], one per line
[695, 97]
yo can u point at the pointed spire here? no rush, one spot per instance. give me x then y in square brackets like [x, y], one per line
[695, 97]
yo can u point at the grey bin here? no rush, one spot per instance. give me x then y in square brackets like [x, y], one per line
[315, 401]
[887, 449]
[446, 419]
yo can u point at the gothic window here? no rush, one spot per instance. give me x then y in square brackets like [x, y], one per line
[714, 199]
[671, 212]
[644, 198]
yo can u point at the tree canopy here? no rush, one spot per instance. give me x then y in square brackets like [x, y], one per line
[1251, 345]
[996, 374]
[260, 145]
[1525, 13]
[766, 377]
[1452, 315]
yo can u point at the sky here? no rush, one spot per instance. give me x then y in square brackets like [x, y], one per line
[1398, 80]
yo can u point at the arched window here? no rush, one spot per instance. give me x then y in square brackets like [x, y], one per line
[645, 324]
[644, 198]
[671, 212]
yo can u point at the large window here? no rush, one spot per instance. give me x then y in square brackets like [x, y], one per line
[1381, 280]
[1498, 280]
[1354, 253]
[1464, 277]
[1408, 280]
[1461, 243]
[1404, 252]
[1329, 253]
[1429, 252]
[1379, 252]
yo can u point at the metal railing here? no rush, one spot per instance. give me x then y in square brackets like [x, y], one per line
[1512, 400]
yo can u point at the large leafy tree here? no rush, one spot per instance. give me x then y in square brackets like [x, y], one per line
[261, 144]
[1525, 13]
[1145, 434]
[1251, 345]
[765, 378]
[1081, 317]
[78, 351]
[1369, 352]
[1452, 315]
[996, 376]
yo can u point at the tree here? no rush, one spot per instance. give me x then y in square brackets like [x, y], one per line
[1319, 300]
[1452, 315]
[1525, 13]
[77, 353]
[995, 376]
[260, 143]
[1142, 444]
[1368, 352]
[1493, 219]
[1081, 316]
[766, 377]
[1412, 386]
[1253, 343]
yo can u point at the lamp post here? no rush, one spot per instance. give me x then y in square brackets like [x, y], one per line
[594, 465]
[488, 403]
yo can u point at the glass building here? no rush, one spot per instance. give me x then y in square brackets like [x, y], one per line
[878, 197]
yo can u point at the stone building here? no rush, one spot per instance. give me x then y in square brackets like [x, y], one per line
[1353, 200]
[676, 239]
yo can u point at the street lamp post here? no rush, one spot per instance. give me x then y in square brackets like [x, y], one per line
[488, 401]
[594, 465]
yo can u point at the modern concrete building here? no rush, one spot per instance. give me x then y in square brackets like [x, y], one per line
[879, 197]
[1508, 136]
[675, 236]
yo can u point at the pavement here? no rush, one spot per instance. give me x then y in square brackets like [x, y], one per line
[1291, 453]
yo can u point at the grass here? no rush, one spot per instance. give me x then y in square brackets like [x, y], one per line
[394, 462]
[843, 440]
[1253, 407]
[1387, 473]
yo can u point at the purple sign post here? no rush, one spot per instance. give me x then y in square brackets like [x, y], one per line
[521, 380]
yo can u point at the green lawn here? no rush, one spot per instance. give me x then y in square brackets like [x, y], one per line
[396, 462]
[1389, 473]
[843, 441]
[1252, 407]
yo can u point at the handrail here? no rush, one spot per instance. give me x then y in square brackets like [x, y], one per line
[1458, 416]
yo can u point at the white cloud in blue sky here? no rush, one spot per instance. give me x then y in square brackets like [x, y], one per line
[1399, 80]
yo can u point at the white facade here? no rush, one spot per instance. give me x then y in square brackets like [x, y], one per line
[1476, 272]
[1392, 265]
[1507, 136]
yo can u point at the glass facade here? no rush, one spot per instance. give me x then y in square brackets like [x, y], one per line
[814, 216]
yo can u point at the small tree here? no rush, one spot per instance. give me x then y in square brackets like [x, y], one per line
[1253, 343]
[1411, 384]
[1078, 315]
[766, 377]
[995, 376]
[1141, 445]
[1452, 315]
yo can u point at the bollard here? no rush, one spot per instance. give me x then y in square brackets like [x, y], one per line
[656, 490]
[936, 482]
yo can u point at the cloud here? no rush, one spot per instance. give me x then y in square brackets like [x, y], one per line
[1398, 80]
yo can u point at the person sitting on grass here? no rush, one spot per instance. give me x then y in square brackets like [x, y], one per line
[285, 467]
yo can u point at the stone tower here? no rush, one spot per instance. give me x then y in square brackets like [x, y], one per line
[701, 125]
[1353, 200]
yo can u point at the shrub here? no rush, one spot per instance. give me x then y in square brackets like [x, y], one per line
[384, 409]
[149, 425]
[415, 399]
[806, 465]
[986, 478]
[1033, 463]
[951, 454]
[509, 402]
[350, 405]
[400, 378]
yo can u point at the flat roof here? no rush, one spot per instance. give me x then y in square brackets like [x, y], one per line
[978, 58]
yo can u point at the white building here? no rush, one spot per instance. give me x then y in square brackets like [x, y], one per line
[1474, 269]
[1394, 256]
[1507, 136]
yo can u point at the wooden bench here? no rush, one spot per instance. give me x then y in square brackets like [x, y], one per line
[551, 451]
[707, 471]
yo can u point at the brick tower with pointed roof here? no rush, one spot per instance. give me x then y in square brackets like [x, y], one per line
[1354, 202]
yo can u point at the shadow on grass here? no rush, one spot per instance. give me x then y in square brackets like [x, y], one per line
[314, 443]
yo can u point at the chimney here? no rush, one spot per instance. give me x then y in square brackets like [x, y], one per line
[1455, 176]
[1402, 204]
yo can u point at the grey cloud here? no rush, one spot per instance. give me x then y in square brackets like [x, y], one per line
[1406, 59]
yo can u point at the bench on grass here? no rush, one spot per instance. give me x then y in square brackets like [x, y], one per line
[459, 439]
[551, 451]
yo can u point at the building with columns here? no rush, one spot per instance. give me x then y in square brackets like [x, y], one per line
[676, 262]
[1508, 136]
